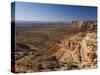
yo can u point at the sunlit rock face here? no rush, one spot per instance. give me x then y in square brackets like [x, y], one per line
[90, 47]
[80, 49]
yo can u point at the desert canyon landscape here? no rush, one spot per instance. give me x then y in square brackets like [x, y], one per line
[53, 37]
[55, 46]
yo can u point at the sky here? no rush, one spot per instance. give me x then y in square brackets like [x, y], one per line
[52, 12]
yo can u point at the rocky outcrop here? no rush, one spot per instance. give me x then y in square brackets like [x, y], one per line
[80, 49]
[83, 25]
[89, 47]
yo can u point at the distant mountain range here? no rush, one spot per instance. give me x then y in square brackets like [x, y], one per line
[45, 23]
